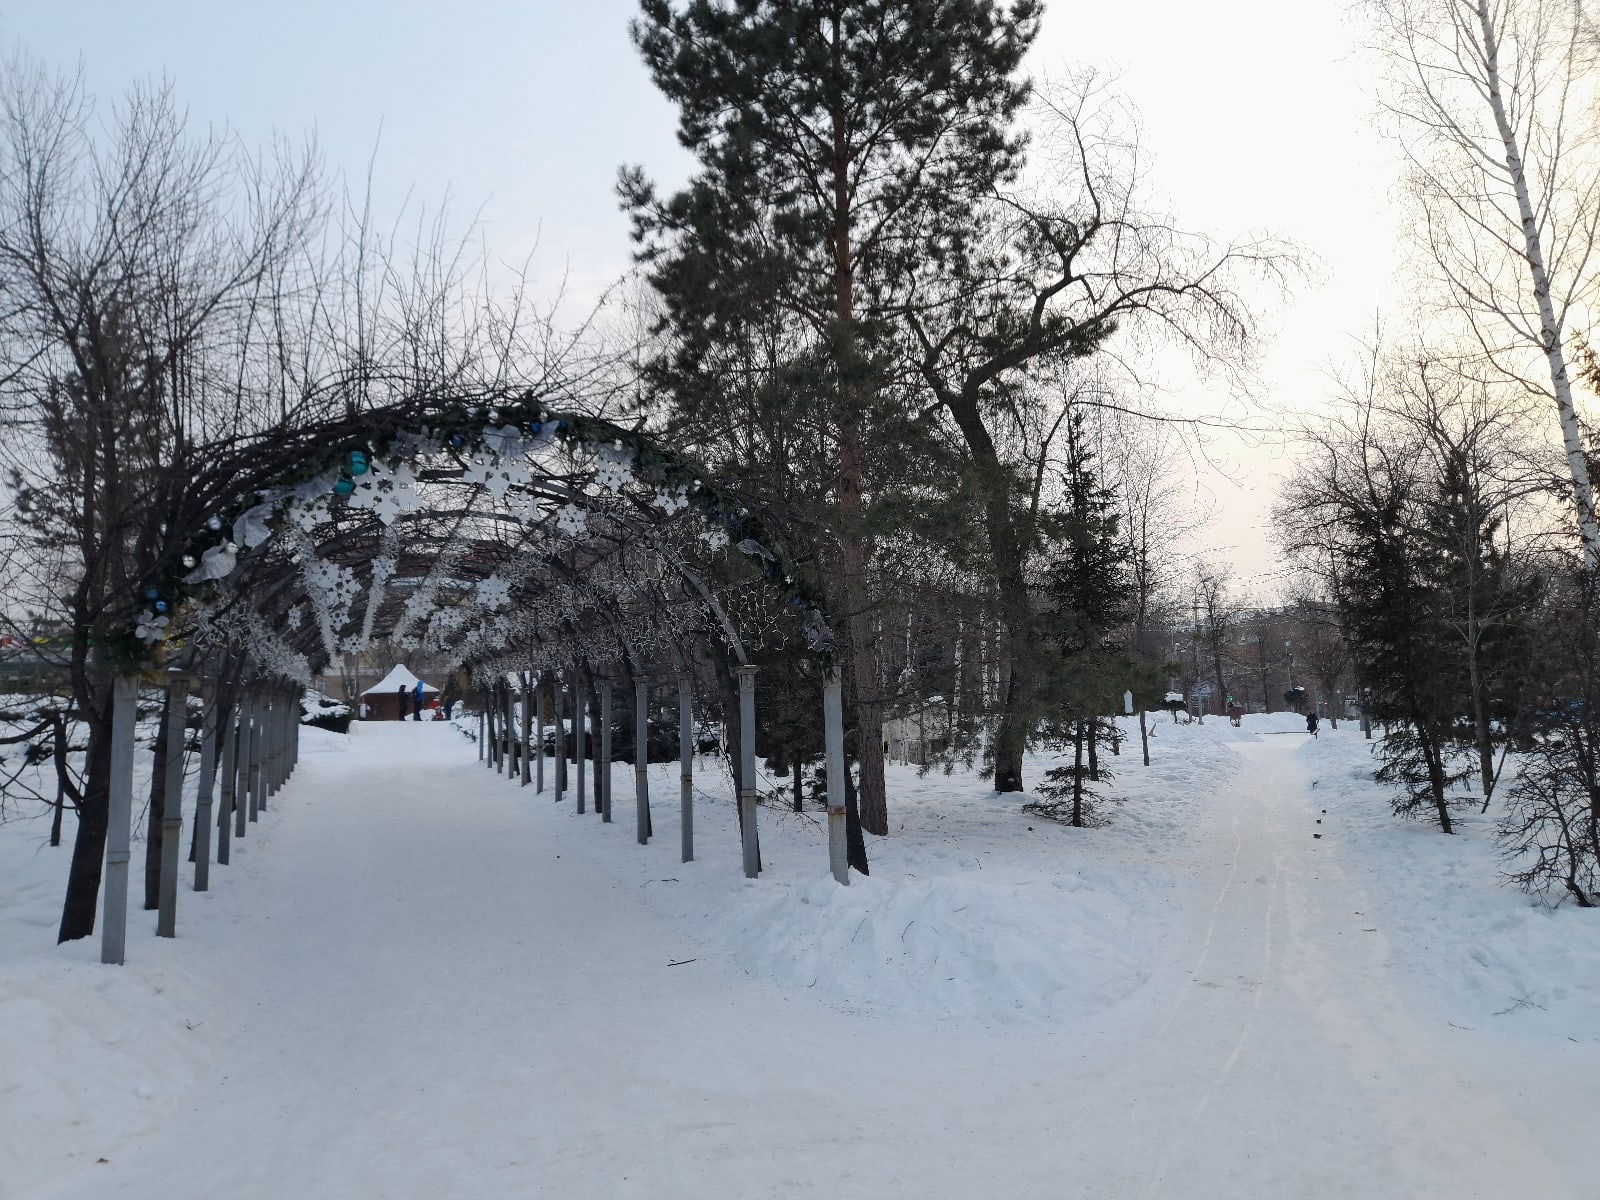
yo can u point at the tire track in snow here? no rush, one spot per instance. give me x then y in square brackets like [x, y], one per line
[1250, 802]
[1449, 1137]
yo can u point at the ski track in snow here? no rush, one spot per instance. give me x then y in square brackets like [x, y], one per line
[418, 980]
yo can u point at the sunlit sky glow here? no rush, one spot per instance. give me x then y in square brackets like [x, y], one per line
[1255, 118]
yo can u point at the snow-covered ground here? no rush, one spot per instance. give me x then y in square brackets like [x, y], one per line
[420, 980]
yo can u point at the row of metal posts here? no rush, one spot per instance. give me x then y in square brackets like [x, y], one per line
[501, 749]
[247, 752]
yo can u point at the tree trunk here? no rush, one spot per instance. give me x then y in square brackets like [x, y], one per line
[1550, 330]
[855, 843]
[1015, 717]
[1433, 753]
[89, 847]
[58, 745]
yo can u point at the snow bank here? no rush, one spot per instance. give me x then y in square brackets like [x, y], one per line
[1475, 947]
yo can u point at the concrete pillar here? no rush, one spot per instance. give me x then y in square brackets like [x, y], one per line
[172, 808]
[119, 822]
[527, 732]
[747, 772]
[641, 759]
[580, 716]
[686, 766]
[266, 730]
[252, 760]
[228, 733]
[538, 721]
[602, 802]
[202, 811]
[242, 804]
[833, 738]
[560, 767]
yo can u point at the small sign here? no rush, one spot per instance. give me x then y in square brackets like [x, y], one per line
[1127, 703]
[1203, 690]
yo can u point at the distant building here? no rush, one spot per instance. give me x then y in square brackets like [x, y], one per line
[384, 700]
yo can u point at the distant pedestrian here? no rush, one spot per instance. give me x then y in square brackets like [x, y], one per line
[1311, 723]
[448, 705]
[417, 705]
[400, 700]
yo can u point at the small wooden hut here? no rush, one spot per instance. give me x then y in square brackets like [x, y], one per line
[391, 698]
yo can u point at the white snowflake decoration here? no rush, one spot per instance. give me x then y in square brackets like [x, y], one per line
[614, 468]
[295, 616]
[571, 519]
[670, 501]
[387, 492]
[494, 592]
[716, 539]
[494, 476]
[523, 507]
[505, 442]
[151, 628]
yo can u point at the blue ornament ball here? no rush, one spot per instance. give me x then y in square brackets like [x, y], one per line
[345, 486]
[151, 593]
[161, 606]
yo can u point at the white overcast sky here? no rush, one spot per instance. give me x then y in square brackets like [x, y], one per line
[1253, 111]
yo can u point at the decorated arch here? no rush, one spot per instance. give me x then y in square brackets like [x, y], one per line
[520, 544]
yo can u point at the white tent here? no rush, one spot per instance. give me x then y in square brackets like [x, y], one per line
[397, 678]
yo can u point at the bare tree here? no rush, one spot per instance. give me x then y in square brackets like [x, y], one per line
[1494, 99]
[1216, 613]
[1076, 268]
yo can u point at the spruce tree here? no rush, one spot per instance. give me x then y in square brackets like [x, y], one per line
[1089, 612]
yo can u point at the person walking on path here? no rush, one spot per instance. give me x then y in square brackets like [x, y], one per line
[1311, 723]
[416, 701]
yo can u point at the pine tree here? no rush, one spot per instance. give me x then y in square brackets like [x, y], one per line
[1394, 619]
[841, 147]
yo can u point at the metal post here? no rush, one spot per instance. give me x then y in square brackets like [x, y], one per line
[119, 820]
[580, 716]
[833, 740]
[482, 710]
[747, 771]
[602, 800]
[202, 808]
[686, 766]
[560, 767]
[266, 725]
[241, 789]
[508, 737]
[172, 809]
[227, 730]
[252, 761]
[280, 739]
[641, 759]
[538, 717]
[527, 732]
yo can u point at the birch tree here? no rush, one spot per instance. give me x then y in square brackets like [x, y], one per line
[1494, 100]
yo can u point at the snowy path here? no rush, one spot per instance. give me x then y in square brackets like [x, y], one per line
[434, 988]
